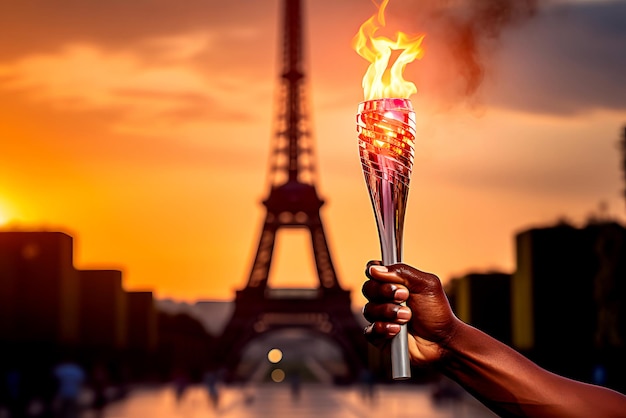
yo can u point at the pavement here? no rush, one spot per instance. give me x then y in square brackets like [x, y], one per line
[278, 401]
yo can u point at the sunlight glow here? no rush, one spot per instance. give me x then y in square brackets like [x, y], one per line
[4, 216]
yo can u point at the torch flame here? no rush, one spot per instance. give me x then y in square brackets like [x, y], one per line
[378, 82]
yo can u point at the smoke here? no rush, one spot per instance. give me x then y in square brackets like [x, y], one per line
[472, 32]
[461, 36]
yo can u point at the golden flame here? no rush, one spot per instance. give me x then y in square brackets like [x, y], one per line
[380, 82]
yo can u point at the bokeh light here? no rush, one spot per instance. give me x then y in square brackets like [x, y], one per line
[278, 375]
[275, 355]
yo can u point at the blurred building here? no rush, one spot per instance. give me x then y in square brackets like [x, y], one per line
[184, 344]
[568, 300]
[39, 288]
[212, 314]
[141, 317]
[484, 301]
[102, 310]
[49, 309]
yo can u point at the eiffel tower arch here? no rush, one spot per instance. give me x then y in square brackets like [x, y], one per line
[293, 202]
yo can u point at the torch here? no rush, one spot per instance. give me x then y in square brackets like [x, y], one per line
[386, 137]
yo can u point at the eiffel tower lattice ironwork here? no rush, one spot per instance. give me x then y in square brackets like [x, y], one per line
[293, 202]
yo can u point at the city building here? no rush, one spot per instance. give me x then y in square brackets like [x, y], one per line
[141, 318]
[568, 299]
[102, 310]
[484, 301]
[39, 288]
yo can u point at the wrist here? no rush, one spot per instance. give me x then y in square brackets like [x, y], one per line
[455, 344]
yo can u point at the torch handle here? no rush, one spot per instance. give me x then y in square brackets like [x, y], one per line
[391, 244]
[400, 364]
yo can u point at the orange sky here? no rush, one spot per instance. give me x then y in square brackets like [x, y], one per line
[144, 130]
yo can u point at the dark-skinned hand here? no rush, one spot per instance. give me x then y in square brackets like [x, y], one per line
[431, 322]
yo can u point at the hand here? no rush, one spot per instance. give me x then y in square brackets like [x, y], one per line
[431, 322]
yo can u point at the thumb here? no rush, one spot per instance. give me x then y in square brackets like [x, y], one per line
[415, 280]
[385, 274]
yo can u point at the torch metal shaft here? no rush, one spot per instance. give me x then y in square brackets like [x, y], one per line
[400, 364]
[386, 130]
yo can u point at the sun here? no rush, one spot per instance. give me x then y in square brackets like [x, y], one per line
[4, 219]
[4, 215]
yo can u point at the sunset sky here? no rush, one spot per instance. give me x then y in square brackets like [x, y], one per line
[142, 128]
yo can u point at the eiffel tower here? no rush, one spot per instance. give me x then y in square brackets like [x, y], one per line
[293, 202]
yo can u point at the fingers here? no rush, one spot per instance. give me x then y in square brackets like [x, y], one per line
[370, 264]
[379, 333]
[375, 270]
[388, 287]
[387, 312]
[379, 292]
[411, 278]
[384, 310]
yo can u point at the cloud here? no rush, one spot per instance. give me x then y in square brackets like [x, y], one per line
[568, 60]
[41, 25]
[154, 88]
[145, 57]
[160, 68]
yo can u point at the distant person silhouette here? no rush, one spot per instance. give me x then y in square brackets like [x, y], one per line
[181, 383]
[367, 380]
[99, 383]
[295, 385]
[11, 392]
[211, 379]
[70, 377]
[501, 378]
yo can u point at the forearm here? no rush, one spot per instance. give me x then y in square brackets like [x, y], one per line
[512, 385]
